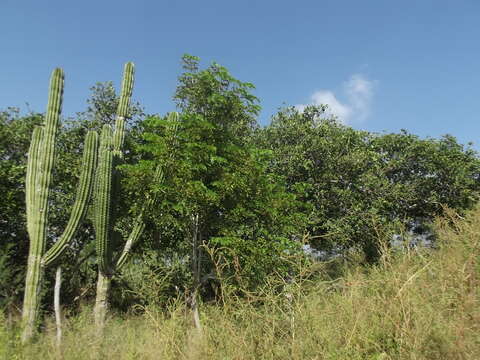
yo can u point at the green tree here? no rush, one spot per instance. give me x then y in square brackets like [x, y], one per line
[366, 187]
[217, 193]
[218, 196]
[220, 98]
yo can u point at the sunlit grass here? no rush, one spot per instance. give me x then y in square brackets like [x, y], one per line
[421, 304]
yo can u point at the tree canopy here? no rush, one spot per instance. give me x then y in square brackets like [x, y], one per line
[237, 202]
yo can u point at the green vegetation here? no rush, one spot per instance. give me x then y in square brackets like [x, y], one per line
[37, 187]
[418, 304]
[106, 192]
[208, 236]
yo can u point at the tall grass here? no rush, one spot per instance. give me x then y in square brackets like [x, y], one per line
[419, 304]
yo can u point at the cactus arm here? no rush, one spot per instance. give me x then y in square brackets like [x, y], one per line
[122, 109]
[139, 225]
[103, 199]
[34, 271]
[47, 154]
[127, 88]
[81, 201]
[135, 234]
[31, 177]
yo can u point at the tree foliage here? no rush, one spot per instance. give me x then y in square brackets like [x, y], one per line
[362, 185]
[251, 196]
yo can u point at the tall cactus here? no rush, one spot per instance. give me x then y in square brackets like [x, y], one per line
[39, 168]
[111, 154]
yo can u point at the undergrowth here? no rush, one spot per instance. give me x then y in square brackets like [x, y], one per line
[415, 304]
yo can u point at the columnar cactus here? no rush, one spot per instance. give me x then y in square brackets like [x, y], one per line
[103, 199]
[105, 195]
[111, 154]
[39, 168]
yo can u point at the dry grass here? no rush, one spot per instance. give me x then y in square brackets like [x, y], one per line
[415, 305]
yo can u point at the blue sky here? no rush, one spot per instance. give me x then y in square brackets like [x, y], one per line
[382, 65]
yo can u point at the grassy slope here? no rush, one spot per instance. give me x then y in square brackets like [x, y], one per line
[412, 306]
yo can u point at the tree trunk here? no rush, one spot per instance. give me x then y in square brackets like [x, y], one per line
[196, 313]
[101, 302]
[32, 298]
[56, 304]
[196, 268]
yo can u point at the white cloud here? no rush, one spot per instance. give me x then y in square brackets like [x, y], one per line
[335, 107]
[358, 91]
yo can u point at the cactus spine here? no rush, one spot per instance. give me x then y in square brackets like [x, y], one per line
[39, 168]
